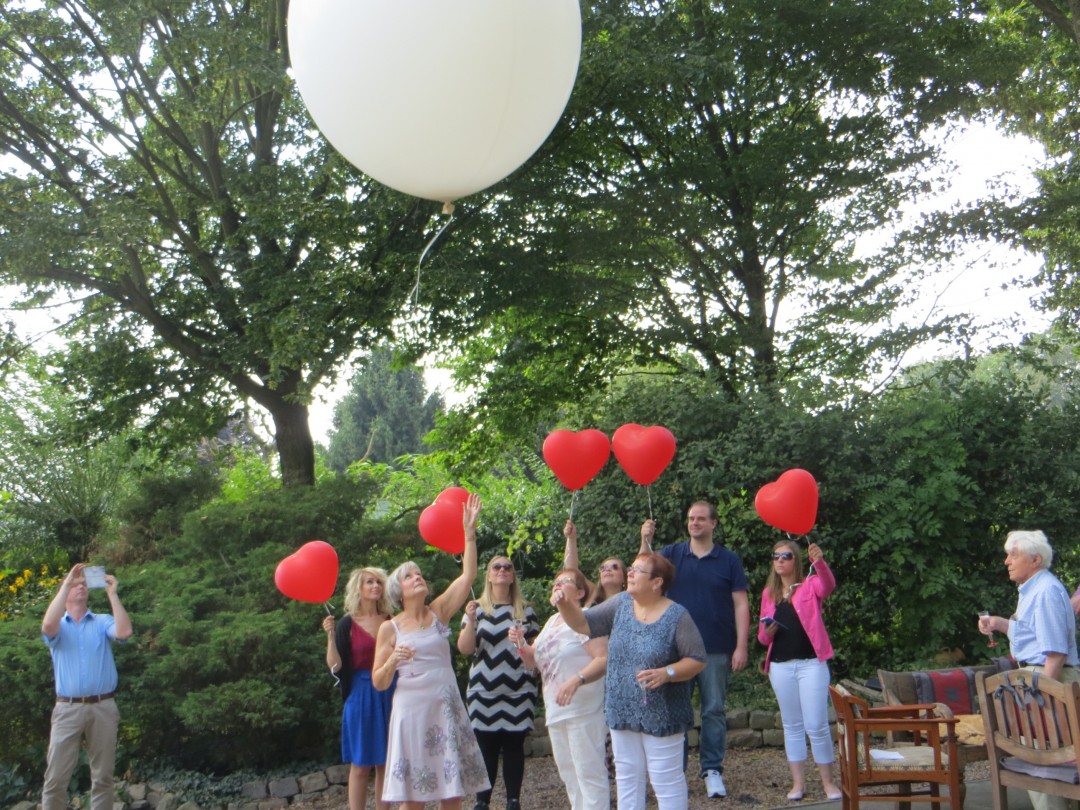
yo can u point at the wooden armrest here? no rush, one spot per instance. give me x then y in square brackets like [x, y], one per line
[912, 710]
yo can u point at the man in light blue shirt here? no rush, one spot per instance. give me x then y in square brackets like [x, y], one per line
[1042, 632]
[80, 642]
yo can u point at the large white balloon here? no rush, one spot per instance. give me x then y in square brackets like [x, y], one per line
[435, 98]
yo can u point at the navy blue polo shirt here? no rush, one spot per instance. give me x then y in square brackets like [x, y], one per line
[704, 586]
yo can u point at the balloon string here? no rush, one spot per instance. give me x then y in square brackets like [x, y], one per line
[573, 497]
[414, 293]
[648, 492]
[329, 607]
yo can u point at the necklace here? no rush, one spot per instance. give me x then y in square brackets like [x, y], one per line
[644, 614]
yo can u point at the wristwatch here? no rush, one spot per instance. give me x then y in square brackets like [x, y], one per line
[670, 673]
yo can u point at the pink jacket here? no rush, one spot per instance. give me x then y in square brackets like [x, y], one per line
[806, 599]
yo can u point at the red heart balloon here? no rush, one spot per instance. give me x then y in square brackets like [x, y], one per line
[441, 523]
[789, 503]
[576, 457]
[310, 574]
[456, 495]
[643, 452]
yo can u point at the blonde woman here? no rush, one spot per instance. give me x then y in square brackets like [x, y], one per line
[350, 653]
[432, 755]
[797, 660]
[502, 692]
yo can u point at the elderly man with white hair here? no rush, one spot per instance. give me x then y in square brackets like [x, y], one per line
[1042, 632]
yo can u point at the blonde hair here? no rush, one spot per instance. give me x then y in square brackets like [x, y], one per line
[773, 584]
[517, 601]
[353, 591]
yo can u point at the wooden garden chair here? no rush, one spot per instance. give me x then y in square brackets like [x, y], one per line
[914, 771]
[1032, 725]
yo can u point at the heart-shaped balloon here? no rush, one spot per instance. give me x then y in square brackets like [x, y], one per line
[643, 452]
[441, 523]
[790, 502]
[576, 457]
[310, 574]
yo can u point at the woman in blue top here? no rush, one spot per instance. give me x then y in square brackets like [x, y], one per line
[654, 653]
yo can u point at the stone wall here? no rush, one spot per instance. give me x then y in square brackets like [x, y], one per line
[746, 729]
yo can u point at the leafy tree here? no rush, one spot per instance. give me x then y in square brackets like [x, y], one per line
[386, 413]
[59, 492]
[161, 173]
[1044, 104]
[711, 180]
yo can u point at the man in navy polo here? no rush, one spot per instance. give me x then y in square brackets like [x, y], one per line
[710, 583]
[81, 645]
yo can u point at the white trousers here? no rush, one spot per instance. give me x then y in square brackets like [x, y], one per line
[802, 690]
[578, 747]
[661, 758]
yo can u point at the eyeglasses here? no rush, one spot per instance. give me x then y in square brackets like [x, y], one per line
[565, 581]
[637, 570]
[783, 555]
[609, 567]
[502, 567]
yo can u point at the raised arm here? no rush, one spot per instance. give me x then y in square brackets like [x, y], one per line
[570, 611]
[50, 624]
[648, 534]
[450, 601]
[121, 621]
[570, 554]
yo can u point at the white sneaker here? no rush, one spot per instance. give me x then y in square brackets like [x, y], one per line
[714, 785]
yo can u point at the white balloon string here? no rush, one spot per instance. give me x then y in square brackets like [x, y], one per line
[414, 294]
[649, 493]
[573, 497]
[329, 608]
[337, 680]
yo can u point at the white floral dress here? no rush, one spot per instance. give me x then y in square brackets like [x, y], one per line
[432, 752]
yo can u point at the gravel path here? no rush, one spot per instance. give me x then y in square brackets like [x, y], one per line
[756, 779]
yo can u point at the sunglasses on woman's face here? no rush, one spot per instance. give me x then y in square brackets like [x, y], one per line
[783, 555]
[502, 567]
[609, 567]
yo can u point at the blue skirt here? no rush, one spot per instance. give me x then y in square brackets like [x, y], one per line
[365, 722]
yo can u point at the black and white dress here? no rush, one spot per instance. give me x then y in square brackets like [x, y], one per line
[502, 694]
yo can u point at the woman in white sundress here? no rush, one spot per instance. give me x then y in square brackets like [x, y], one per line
[432, 755]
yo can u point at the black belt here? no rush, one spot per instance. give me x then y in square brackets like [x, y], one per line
[1033, 664]
[89, 699]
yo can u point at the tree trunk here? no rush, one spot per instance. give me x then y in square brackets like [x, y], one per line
[295, 448]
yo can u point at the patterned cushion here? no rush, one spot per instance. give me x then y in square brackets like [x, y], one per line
[955, 688]
[916, 758]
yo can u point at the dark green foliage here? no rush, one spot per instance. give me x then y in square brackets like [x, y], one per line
[918, 489]
[386, 414]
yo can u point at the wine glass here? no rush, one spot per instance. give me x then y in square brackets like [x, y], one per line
[644, 691]
[985, 614]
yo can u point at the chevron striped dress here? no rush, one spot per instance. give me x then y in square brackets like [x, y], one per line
[502, 694]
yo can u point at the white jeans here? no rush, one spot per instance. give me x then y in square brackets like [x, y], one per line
[578, 747]
[638, 754]
[802, 690]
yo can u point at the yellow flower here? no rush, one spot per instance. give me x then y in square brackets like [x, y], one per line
[19, 582]
[27, 574]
